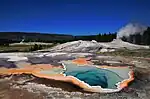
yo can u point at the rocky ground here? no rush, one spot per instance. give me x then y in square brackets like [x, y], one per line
[30, 87]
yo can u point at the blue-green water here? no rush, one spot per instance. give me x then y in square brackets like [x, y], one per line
[94, 76]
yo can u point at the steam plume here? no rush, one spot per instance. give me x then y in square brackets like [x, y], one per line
[130, 29]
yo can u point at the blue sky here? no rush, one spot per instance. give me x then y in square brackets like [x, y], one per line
[76, 17]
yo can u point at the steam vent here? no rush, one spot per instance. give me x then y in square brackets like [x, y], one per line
[135, 33]
[81, 72]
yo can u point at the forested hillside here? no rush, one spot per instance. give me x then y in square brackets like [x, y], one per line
[12, 37]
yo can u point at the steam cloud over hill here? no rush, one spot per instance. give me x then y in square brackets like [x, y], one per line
[131, 29]
[135, 33]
